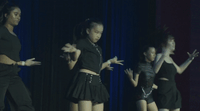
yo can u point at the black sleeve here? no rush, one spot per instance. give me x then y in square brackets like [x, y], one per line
[138, 69]
[80, 44]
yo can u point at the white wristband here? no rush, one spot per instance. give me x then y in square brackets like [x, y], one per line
[23, 63]
[108, 61]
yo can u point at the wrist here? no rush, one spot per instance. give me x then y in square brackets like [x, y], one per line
[191, 58]
[131, 78]
[23, 63]
[109, 62]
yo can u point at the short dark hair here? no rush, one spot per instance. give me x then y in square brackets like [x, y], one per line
[145, 49]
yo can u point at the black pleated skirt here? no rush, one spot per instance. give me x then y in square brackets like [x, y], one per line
[168, 95]
[87, 87]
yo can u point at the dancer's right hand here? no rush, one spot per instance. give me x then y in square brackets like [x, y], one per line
[69, 48]
[129, 72]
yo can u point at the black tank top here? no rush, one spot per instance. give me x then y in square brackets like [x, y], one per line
[167, 70]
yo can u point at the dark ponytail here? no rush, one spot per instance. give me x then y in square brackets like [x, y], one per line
[80, 29]
[5, 8]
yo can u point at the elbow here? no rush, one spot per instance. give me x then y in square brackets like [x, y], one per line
[180, 71]
[70, 68]
[156, 71]
[135, 85]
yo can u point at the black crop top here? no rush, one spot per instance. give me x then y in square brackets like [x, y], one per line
[91, 55]
[147, 75]
[9, 44]
[167, 70]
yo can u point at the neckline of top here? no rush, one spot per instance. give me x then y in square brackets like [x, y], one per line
[9, 31]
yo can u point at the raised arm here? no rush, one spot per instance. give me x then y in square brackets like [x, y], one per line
[72, 58]
[134, 81]
[160, 58]
[182, 67]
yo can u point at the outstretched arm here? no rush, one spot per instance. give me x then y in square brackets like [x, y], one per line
[29, 62]
[134, 81]
[182, 67]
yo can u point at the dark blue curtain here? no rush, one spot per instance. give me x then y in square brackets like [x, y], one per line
[46, 25]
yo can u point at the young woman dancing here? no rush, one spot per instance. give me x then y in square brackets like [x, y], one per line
[11, 84]
[168, 97]
[88, 89]
[143, 80]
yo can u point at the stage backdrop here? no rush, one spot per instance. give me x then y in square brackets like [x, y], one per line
[46, 25]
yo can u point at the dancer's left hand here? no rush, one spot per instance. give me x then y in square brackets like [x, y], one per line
[31, 62]
[193, 55]
[116, 61]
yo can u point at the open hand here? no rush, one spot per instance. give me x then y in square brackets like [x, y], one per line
[193, 55]
[129, 72]
[31, 62]
[116, 61]
[69, 48]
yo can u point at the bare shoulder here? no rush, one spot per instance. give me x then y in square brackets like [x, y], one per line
[170, 58]
[158, 55]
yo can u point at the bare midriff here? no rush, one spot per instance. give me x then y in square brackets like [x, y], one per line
[89, 72]
[164, 79]
[6, 60]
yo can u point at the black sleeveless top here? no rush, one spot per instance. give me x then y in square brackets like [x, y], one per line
[9, 44]
[167, 70]
[147, 74]
[91, 55]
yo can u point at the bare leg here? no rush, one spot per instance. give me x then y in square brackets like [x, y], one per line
[73, 106]
[141, 105]
[98, 107]
[152, 107]
[84, 105]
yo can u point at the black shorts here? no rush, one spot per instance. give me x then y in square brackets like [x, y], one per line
[140, 95]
